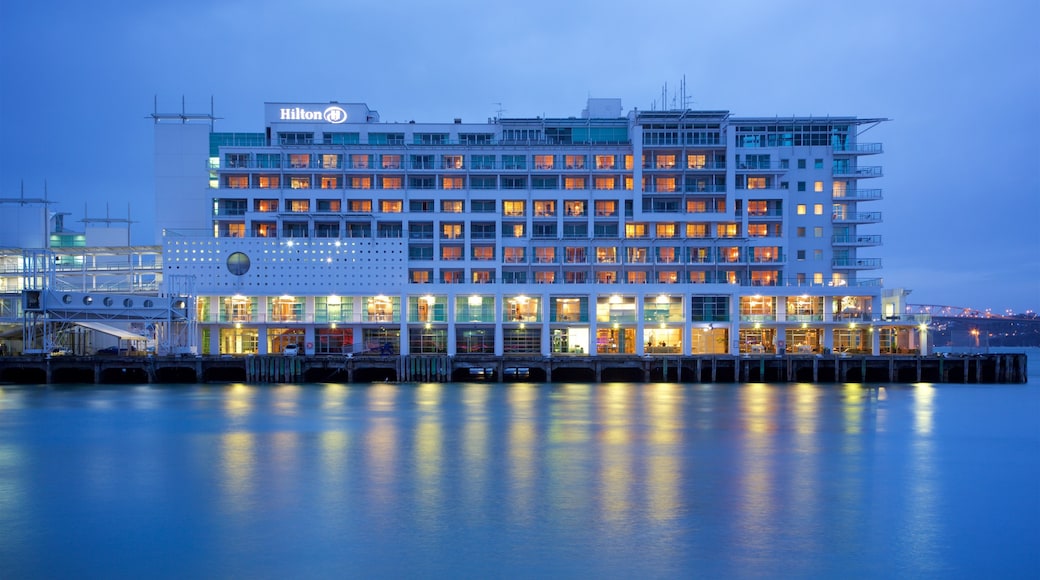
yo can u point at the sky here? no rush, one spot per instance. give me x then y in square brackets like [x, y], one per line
[959, 81]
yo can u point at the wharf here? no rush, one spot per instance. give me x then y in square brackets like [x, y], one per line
[979, 368]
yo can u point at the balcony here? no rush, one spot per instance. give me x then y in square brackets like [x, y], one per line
[856, 264]
[858, 149]
[856, 241]
[858, 194]
[859, 172]
[868, 217]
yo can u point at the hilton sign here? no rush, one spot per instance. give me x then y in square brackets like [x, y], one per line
[333, 114]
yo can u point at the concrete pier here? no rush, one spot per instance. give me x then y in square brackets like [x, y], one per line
[977, 369]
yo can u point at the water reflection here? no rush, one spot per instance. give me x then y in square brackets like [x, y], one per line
[668, 480]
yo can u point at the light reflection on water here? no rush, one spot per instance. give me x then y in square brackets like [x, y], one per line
[609, 480]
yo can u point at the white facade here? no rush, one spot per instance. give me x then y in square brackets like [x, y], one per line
[651, 233]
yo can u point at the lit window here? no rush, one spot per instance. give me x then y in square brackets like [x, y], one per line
[606, 208]
[574, 183]
[545, 255]
[452, 182]
[359, 161]
[665, 161]
[800, 210]
[451, 231]
[329, 182]
[817, 232]
[818, 186]
[452, 162]
[665, 230]
[483, 252]
[696, 230]
[268, 182]
[513, 255]
[513, 208]
[390, 206]
[361, 183]
[628, 162]
[300, 182]
[543, 161]
[756, 183]
[299, 160]
[544, 208]
[361, 205]
[817, 278]
[451, 252]
[664, 184]
[392, 182]
[635, 230]
[574, 161]
[518, 230]
[452, 206]
[391, 161]
[604, 183]
[636, 277]
[696, 161]
[604, 162]
[817, 209]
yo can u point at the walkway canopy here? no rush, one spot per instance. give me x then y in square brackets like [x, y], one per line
[112, 330]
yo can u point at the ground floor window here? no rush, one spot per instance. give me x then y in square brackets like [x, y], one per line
[709, 341]
[334, 341]
[422, 340]
[662, 340]
[239, 340]
[385, 341]
[757, 340]
[852, 341]
[522, 340]
[803, 340]
[616, 340]
[475, 340]
[279, 338]
[570, 340]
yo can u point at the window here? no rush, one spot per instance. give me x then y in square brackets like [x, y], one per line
[544, 208]
[451, 231]
[758, 230]
[636, 255]
[709, 308]
[545, 182]
[605, 161]
[483, 182]
[817, 255]
[265, 205]
[545, 255]
[452, 205]
[513, 208]
[236, 181]
[544, 277]
[604, 183]
[391, 205]
[635, 230]
[818, 186]
[328, 205]
[817, 278]
[514, 162]
[817, 209]
[574, 183]
[696, 230]
[483, 205]
[420, 205]
[422, 161]
[451, 253]
[605, 230]
[800, 255]
[360, 161]
[419, 276]
[392, 230]
[514, 182]
[422, 252]
[483, 253]
[665, 161]
[300, 182]
[544, 230]
[574, 255]
[513, 229]
[482, 231]
[574, 161]
[361, 182]
[801, 186]
[513, 255]
[606, 208]
[817, 232]
[298, 205]
[576, 230]
[391, 182]
[236, 160]
[800, 209]
[756, 183]
[452, 162]
[543, 161]
[268, 160]
[391, 161]
[818, 163]
[420, 231]
[430, 138]
[606, 277]
[694, 161]
[636, 277]
[451, 276]
[801, 164]
[268, 182]
[359, 230]
[360, 205]
[386, 138]
[299, 160]
[607, 255]
[422, 182]
[329, 182]
[665, 230]
[727, 230]
[453, 182]
[483, 276]
[331, 161]
[574, 208]
[482, 161]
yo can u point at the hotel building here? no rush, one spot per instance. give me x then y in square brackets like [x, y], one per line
[675, 232]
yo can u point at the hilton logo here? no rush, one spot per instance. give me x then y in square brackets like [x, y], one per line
[333, 114]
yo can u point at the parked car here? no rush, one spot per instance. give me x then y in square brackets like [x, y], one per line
[291, 350]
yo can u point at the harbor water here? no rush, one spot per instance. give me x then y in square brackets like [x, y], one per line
[520, 480]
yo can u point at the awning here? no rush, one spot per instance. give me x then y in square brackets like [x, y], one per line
[116, 332]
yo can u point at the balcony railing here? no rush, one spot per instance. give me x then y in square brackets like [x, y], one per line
[858, 194]
[870, 171]
[870, 217]
[858, 148]
[857, 264]
[872, 240]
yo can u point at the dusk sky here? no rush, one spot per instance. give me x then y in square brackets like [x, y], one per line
[959, 80]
